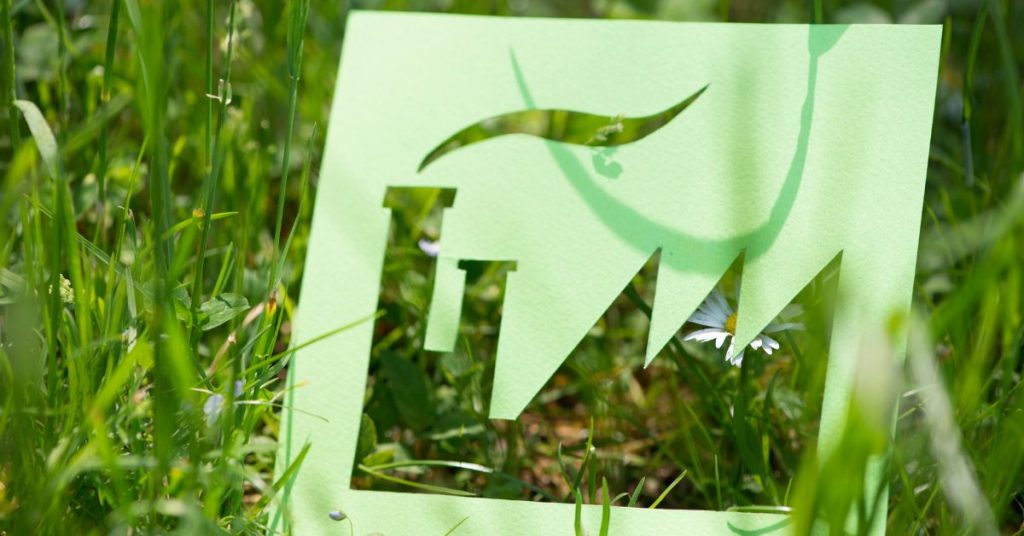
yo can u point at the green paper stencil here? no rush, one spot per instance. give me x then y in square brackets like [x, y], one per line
[790, 145]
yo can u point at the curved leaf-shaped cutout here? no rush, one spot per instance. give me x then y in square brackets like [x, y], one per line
[567, 126]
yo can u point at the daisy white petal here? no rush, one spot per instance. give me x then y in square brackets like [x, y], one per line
[704, 335]
[712, 306]
[711, 310]
[705, 319]
[717, 298]
[768, 344]
[733, 358]
[720, 339]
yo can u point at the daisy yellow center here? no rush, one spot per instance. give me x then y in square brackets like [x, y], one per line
[730, 324]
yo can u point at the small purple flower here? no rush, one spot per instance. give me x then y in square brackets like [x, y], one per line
[430, 247]
[214, 404]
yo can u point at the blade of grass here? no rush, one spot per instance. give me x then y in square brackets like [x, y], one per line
[108, 74]
[669, 489]
[306, 169]
[636, 492]
[284, 482]
[1011, 77]
[280, 357]
[418, 485]
[968, 92]
[475, 467]
[718, 485]
[46, 143]
[10, 92]
[583, 467]
[296, 32]
[297, 16]
[577, 519]
[606, 508]
[149, 22]
[210, 186]
[817, 14]
[209, 82]
[761, 509]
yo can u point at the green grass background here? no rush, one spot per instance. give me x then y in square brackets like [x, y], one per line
[158, 164]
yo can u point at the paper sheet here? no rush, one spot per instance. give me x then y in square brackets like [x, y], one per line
[807, 143]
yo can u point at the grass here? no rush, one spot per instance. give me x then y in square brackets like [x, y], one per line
[158, 165]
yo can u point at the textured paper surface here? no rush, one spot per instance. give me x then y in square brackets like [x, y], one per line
[808, 143]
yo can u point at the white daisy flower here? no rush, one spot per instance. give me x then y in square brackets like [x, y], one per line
[720, 321]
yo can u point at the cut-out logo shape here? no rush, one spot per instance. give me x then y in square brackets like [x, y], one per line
[793, 145]
[537, 122]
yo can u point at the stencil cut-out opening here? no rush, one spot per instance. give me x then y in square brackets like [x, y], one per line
[426, 428]
[567, 126]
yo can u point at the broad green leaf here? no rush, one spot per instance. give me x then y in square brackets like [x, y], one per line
[384, 453]
[408, 385]
[142, 354]
[221, 309]
[367, 438]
